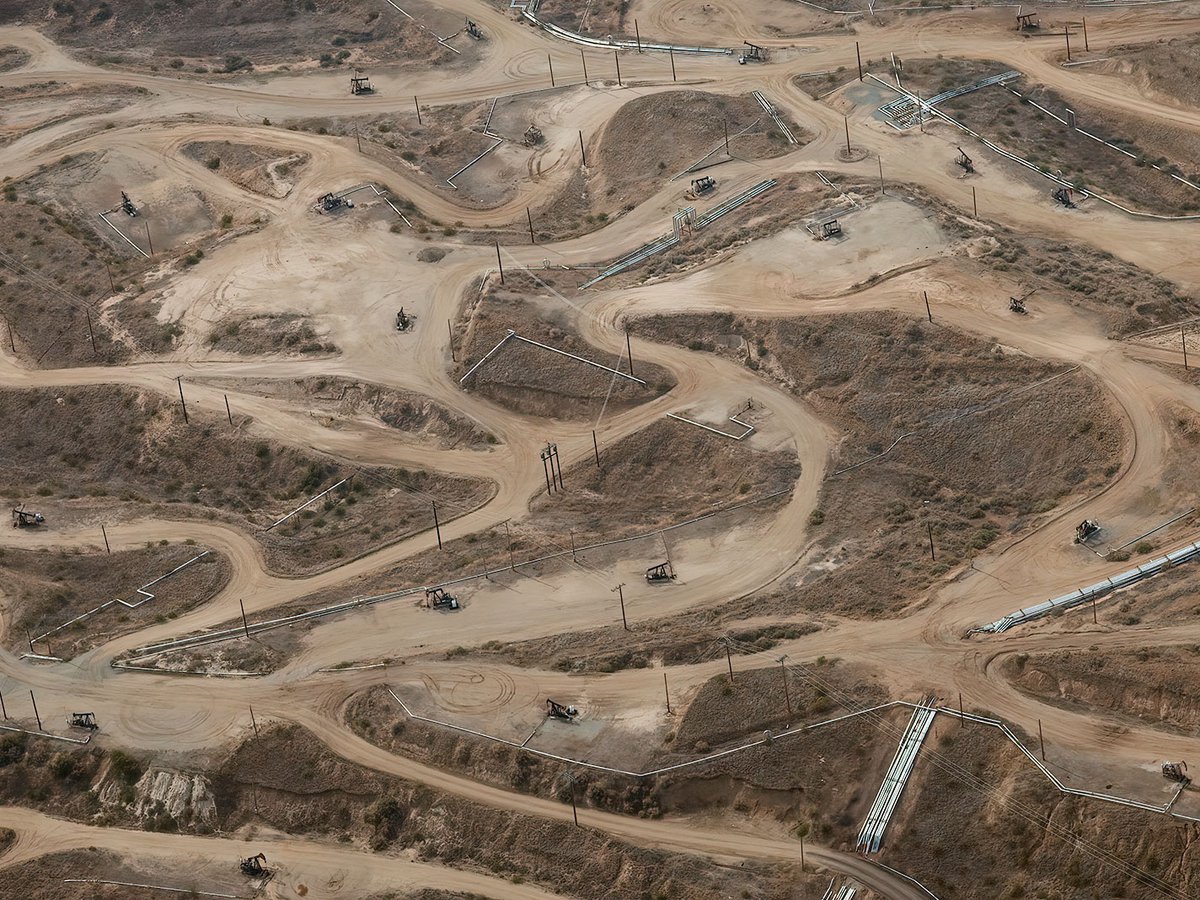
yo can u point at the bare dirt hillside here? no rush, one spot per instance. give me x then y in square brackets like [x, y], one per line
[1167, 67]
[1149, 685]
[537, 381]
[1021, 118]
[264, 170]
[154, 462]
[347, 399]
[228, 36]
[53, 276]
[46, 588]
[288, 780]
[971, 465]
[1023, 838]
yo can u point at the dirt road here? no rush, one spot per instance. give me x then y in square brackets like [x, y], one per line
[300, 262]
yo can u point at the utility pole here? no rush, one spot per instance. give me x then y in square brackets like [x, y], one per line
[858, 54]
[583, 59]
[596, 447]
[4, 711]
[357, 138]
[975, 202]
[672, 53]
[550, 63]
[149, 242]
[729, 659]
[932, 555]
[1095, 621]
[508, 533]
[499, 262]
[666, 692]
[245, 624]
[617, 59]
[628, 349]
[928, 311]
[920, 112]
[582, 150]
[552, 468]
[228, 411]
[417, 106]
[182, 402]
[12, 343]
[450, 328]
[112, 284]
[846, 122]
[1086, 48]
[962, 717]
[572, 533]
[574, 811]
[786, 694]
[91, 333]
[107, 549]
[529, 216]
[620, 589]
[638, 35]
[1067, 33]
[436, 526]
[1183, 341]
[1041, 740]
[253, 721]
[33, 700]
[882, 189]
[546, 471]
[726, 123]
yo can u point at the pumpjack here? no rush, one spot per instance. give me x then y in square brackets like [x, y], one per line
[662, 572]
[701, 186]
[437, 598]
[83, 720]
[330, 202]
[403, 321]
[1063, 196]
[1017, 304]
[752, 53]
[830, 229]
[1175, 771]
[558, 711]
[965, 162]
[253, 865]
[127, 205]
[474, 31]
[1086, 529]
[22, 518]
[533, 135]
[360, 84]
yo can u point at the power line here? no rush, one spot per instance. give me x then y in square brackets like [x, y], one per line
[962, 775]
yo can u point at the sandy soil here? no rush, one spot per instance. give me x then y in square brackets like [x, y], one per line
[260, 169]
[349, 273]
[344, 400]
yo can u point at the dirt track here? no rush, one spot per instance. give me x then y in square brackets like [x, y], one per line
[279, 267]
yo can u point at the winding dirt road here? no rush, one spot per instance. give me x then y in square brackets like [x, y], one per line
[275, 269]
